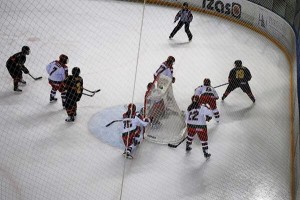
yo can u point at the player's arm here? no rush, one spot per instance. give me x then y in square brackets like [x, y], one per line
[177, 16]
[190, 18]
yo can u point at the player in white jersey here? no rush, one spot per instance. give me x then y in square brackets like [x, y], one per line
[58, 71]
[166, 68]
[196, 116]
[208, 95]
[132, 122]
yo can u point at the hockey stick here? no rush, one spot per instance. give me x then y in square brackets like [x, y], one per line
[95, 91]
[110, 123]
[35, 78]
[90, 95]
[221, 85]
[176, 145]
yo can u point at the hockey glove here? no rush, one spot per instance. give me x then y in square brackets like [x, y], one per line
[25, 70]
[208, 118]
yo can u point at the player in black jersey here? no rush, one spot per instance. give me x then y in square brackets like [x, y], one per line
[239, 77]
[15, 66]
[74, 87]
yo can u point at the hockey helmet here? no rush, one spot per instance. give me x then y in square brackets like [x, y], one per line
[206, 82]
[76, 71]
[26, 50]
[131, 108]
[238, 63]
[185, 4]
[63, 59]
[195, 98]
[170, 60]
[149, 86]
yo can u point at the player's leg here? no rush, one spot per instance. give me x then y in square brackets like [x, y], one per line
[187, 30]
[190, 137]
[63, 94]
[204, 141]
[213, 106]
[54, 87]
[17, 76]
[71, 107]
[230, 88]
[177, 28]
[127, 140]
[246, 88]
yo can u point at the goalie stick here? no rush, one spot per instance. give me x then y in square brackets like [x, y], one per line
[110, 123]
[176, 145]
[35, 78]
[221, 85]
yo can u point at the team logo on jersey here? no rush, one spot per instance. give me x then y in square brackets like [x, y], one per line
[233, 9]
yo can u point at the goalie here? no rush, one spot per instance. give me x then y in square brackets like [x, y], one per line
[155, 106]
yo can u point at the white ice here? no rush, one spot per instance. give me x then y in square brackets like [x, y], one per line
[42, 157]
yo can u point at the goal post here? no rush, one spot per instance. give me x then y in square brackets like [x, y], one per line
[168, 124]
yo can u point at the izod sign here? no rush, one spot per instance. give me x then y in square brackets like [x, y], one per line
[233, 9]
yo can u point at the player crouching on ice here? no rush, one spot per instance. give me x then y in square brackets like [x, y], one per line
[131, 129]
[196, 116]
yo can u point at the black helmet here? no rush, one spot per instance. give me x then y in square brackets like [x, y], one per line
[238, 63]
[26, 50]
[63, 59]
[76, 71]
[206, 82]
[185, 4]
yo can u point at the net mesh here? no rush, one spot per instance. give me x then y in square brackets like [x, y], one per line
[168, 120]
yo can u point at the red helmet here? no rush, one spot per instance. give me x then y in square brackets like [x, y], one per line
[206, 82]
[170, 60]
[131, 108]
[63, 59]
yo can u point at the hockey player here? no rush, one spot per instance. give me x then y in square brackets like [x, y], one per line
[131, 128]
[196, 116]
[186, 18]
[239, 77]
[74, 87]
[58, 71]
[156, 107]
[208, 95]
[166, 68]
[15, 66]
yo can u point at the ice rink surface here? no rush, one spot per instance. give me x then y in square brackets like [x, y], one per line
[42, 157]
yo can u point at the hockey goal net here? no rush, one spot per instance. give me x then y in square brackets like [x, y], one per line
[168, 124]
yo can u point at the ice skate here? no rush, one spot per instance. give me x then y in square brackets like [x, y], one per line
[70, 119]
[52, 99]
[22, 82]
[188, 149]
[16, 89]
[207, 155]
[127, 154]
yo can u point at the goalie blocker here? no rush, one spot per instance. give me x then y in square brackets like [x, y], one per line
[168, 120]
